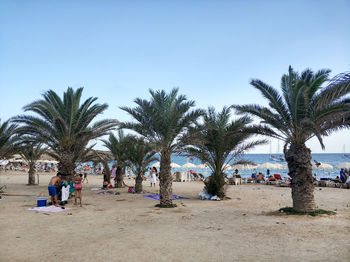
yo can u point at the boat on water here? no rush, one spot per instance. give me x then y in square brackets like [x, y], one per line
[278, 158]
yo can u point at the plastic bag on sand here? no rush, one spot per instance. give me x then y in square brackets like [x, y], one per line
[203, 195]
[215, 198]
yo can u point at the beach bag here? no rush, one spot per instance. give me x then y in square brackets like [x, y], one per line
[131, 189]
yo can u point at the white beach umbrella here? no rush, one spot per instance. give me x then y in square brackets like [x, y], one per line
[267, 165]
[189, 165]
[156, 164]
[3, 162]
[279, 166]
[322, 166]
[344, 165]
[174, 165]
[243, 166]
[202, 166]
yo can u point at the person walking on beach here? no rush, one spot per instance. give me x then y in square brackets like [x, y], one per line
[86, 169]
[153, 176]
[54, 182]
[77, 188]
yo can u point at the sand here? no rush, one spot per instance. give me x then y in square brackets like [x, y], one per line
[128, 227]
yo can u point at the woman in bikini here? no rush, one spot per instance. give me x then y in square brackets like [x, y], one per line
[77, 188]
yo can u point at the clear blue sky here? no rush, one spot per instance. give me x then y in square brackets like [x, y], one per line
[118, 50]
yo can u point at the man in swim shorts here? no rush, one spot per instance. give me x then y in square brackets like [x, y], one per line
[55, 181]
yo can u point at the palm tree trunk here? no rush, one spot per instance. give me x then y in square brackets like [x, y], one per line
[119, 178]
[107, 170]
[31, 174]
[138, 183]
[66, 166]
[165, 180]
[298, 158]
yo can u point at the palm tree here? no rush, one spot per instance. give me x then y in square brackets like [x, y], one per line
[65, 126]
[7, 139]
[162, 121]
[219, 142]
[31, 153]
[305, 110]
[104, 158]
[118, 147]
[140, 155]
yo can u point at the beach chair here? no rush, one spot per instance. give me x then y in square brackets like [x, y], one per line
[251, 180]
[236, 180]
[277, 176]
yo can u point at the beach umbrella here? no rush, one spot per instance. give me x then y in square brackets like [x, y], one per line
[4, 162]
[344, 165]
[174, 165]
[280, 166]
[243, 167]
[189, 165]
[322, 166]
[202, 166]
[267, 165]
[156, 164]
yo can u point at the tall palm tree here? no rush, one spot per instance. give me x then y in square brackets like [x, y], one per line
[219, 142]
[118, 147]
[7, 139]
[140, 155]
[162, 121]
[306, 109]
[65, 125]
[31, 153]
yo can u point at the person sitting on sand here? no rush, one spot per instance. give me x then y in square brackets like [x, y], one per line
[54, 182]
[77, 188]
[260, 177]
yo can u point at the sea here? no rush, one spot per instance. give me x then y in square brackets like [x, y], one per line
[331, 159]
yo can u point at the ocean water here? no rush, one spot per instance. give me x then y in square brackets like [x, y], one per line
[331, 159]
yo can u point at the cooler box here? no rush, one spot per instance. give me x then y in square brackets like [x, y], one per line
[41, 202]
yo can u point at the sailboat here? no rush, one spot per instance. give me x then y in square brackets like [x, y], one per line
[277, 157]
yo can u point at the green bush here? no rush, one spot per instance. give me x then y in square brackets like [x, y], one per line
[215, 185]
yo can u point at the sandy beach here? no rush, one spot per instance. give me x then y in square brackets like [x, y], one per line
[128, 227]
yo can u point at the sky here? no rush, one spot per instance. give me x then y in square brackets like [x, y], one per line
[118, 50]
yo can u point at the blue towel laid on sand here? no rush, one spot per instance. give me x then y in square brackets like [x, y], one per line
[156, 197]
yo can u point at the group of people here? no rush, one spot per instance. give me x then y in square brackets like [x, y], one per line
[56, 184]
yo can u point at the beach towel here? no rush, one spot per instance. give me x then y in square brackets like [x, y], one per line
[156, 197]
[96, 188]
[106, 192]
[49, 209]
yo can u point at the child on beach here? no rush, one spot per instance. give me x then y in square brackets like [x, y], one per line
[77, 188]
[153, 176]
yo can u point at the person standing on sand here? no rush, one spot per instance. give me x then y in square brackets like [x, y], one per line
[153, 176]
[342, 175]
[54, 182]
[77, 188]
[86, 169]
